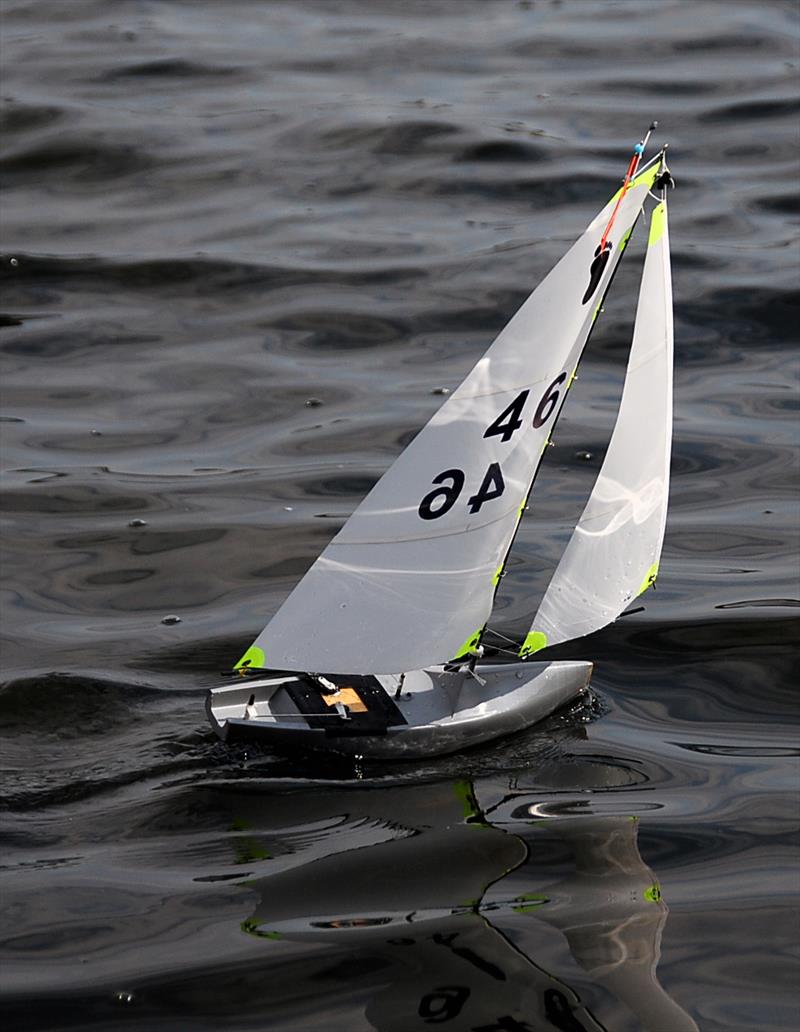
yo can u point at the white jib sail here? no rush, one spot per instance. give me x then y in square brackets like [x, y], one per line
[410, 578]
[613, 555]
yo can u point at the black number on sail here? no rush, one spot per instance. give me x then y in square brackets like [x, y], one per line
[548, 402]
[597, 269]
[492, 487]
[445, 497]
[509, 420]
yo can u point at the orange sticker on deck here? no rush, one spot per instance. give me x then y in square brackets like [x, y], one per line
[348, 697]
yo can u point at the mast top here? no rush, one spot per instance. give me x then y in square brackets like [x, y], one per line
[633, 165]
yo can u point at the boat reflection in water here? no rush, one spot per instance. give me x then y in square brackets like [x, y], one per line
[424, 898]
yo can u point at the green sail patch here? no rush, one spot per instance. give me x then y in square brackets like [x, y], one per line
[470, 645]
[535, 641]
[653, 894]
[647, 178]
[254, 657]
[658, 223]
[649, 578]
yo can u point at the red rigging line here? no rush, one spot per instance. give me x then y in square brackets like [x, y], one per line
[638, 151]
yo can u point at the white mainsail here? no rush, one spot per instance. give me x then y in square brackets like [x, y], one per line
[410, 579]
[613, 555]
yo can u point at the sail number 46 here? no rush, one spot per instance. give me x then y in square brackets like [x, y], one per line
[437, 503]
[450, 483]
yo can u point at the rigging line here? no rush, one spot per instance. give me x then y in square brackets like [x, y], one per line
[651, 161]
[298, 716]
[638, 151]
[491, 630]
[507, 652]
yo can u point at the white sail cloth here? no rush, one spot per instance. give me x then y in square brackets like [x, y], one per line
[411, 576]
[613, 555]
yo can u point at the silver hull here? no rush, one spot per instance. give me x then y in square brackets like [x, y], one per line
[443, 711]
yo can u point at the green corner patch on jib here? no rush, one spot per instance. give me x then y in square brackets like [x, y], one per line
[469, 648]
[535, 641]
[649, 578]
[254, 657]
[658, 222]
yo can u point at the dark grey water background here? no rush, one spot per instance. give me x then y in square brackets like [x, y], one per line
[221, 214]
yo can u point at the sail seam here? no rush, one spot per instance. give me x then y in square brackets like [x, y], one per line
[394, 540]
[503, 390]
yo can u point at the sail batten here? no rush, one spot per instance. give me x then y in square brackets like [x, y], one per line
[613, 554]
[414, 569]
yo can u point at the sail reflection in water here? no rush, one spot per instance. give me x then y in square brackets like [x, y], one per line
[436, 933]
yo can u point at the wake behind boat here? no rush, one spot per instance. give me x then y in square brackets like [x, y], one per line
[375, 651]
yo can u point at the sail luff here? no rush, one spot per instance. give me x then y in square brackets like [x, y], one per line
[613, 554]
[412, 573]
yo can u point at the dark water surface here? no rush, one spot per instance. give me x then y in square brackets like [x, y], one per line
[244, 244]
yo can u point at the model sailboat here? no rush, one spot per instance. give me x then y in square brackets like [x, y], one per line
[374, 652]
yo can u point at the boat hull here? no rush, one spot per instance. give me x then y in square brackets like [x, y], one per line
[439, 711]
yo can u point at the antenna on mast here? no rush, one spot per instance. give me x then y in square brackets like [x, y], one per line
[638, 151]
